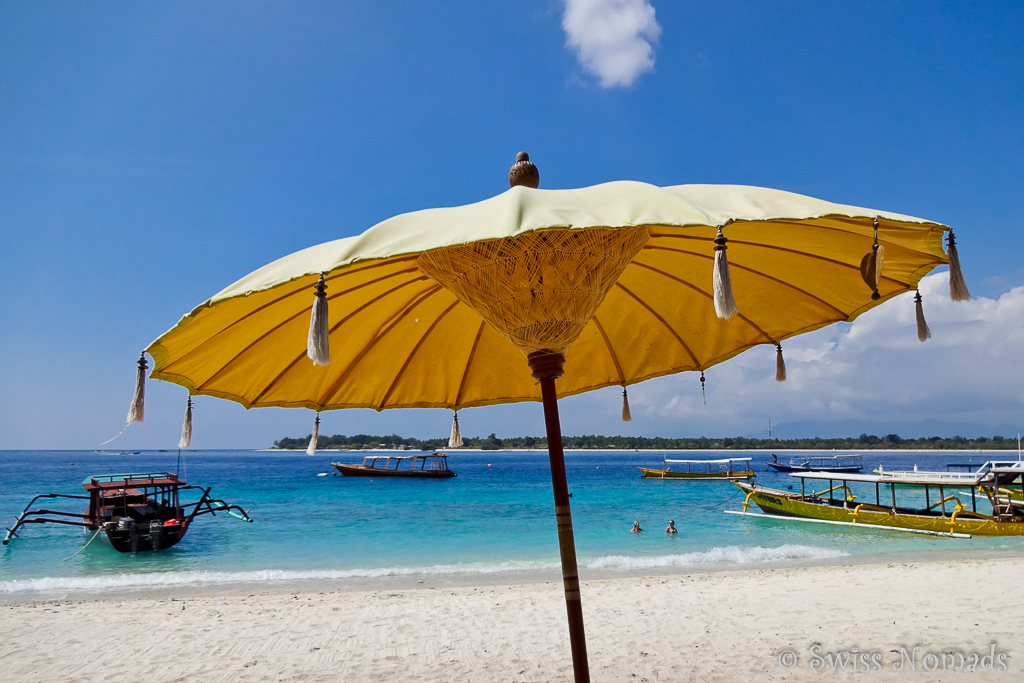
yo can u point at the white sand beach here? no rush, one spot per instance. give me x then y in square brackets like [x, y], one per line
[721, 626]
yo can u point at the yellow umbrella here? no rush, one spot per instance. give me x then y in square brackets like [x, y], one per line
[618, 282]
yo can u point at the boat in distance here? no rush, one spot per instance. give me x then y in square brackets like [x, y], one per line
[952, 514]
[131, 512]
[702, 470]
[833, 463]
[426, 466]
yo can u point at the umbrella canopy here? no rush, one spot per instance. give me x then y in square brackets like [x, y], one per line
[403, 334]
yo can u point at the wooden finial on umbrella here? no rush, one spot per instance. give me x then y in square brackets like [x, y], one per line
[923, 332]
[523, 172]
[626, 415]
[703, 395]
[957, 286]
[871, 266]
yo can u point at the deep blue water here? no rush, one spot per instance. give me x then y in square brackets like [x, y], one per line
[495, 520]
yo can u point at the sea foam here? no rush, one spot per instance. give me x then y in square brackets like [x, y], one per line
[724, 556]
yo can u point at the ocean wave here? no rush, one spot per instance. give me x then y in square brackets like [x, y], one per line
[728, 555]
[200, 578]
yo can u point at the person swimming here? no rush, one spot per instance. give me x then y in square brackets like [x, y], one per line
[671, 528]
[636, 527]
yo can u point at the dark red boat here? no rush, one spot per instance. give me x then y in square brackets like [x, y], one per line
[131, 512]
[426, 466]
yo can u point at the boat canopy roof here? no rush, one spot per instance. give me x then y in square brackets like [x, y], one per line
[918, 478]
[712, 462]
[435, 454]
[120, 481]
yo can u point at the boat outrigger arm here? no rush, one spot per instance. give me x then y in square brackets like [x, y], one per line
[205, 505]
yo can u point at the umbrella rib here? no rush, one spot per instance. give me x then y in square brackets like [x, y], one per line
[469, 362]
[290, 318]
[385, 328]
[755, 272]
[608, 345]
[293, 317]
[701, 291]
[662, 321]
[408, 358]
[773, 247]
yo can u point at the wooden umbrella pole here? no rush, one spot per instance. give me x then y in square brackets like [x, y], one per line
[547, 367]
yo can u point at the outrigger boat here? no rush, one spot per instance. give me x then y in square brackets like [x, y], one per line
[427, 466]
[134, 512]
[699, 470]
[834, 463]
[949, 515]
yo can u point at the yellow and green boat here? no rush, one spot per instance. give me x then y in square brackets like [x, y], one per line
[959, 507]
[728, 469]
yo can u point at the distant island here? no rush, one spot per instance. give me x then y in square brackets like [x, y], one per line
[492, 443]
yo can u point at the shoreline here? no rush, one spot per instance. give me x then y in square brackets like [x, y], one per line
[275, 581]
[677, 626]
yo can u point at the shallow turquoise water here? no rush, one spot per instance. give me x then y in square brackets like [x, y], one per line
[495, 520]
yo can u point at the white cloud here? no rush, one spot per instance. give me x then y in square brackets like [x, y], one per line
[612, 38]
[873, 371]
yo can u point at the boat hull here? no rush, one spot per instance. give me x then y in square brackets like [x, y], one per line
[647, 473]
[145, 539]
[787, 504]
[779, 467]
[360, 471]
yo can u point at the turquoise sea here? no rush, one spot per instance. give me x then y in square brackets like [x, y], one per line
[492, 523]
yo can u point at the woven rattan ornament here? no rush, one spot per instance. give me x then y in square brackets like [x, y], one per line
[186, 426]
[311, 448]
[957, 286]
[725, 303]
[626, 415]
[318, 345]
[455, 439]
[923, 332]
[523, 172]
[780, 364]
[871, 266]
[538, 290]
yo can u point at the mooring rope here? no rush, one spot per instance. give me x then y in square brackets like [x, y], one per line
[86, 545]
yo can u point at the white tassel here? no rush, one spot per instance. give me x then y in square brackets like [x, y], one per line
[136, 412]
[455, 440]
[186, 427]
[318, 346]
[780, 364]
[626, 415]
[957, 286]
[725, 304]
[922, 327]
[311, 448]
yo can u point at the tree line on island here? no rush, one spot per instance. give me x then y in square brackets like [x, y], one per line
[492, 443]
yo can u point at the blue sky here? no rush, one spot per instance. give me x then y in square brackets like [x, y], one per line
[152, 153]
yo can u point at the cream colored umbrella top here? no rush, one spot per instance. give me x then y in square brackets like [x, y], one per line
[398, 338]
